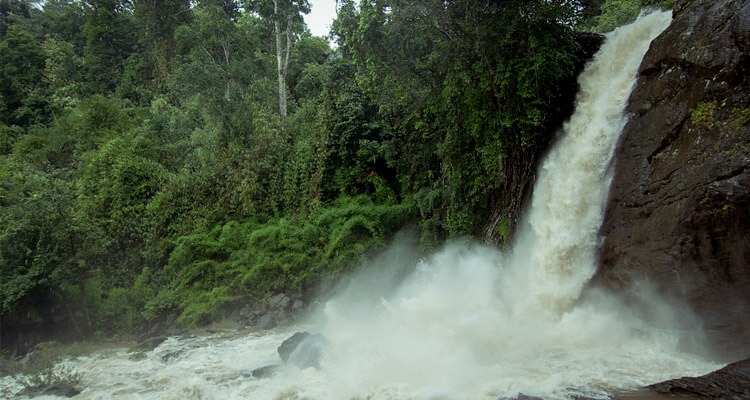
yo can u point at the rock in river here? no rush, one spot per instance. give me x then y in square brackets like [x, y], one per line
[303, 349]
[730, 383]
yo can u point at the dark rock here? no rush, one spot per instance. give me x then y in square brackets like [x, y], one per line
[23, 343]
[279, 302]
[4, 366]
[265, 321]
[264, 372]
[522, 396]
[57, 389]
[31, 359]
[137, 356]
[303, 349]
[589, 42]
[678, 215]
[156, 334]
[172, 355]
[297, 306]
[281, 310]
[241, 315]
[731, 383]
[150, 343]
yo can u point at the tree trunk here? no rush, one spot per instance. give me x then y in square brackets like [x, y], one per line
[282, 66]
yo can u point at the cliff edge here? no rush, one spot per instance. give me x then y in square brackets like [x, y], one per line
[678, 215]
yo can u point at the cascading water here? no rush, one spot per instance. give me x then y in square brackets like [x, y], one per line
[469, 322]
[556, 247]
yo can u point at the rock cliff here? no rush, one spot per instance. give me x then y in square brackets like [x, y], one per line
[678, 214]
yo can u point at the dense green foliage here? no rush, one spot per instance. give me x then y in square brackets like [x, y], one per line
[145, 170]
[614, 13]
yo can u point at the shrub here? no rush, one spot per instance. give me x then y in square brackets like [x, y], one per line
[212, 269]
[703, 115]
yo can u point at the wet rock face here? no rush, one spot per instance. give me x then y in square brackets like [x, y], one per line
[281, 310]
[730, 382]
[56, 389]
[303, 349]
[678, 214]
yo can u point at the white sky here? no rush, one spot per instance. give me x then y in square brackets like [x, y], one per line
[321, 15]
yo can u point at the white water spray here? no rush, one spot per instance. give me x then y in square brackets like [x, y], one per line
[470, 323]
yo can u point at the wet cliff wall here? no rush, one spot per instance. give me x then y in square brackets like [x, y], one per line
[678, 214]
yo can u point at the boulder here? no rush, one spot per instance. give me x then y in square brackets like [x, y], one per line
[281, 310]
[279, 302]
[172, 355]
[265, 321]
[731, 383]
[522, 396]
[157, 333]
[303, 349]
[264, 372]
[678, 215]
[56, 389]
[149, 343]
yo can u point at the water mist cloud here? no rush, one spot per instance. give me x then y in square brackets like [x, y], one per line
[446, 330]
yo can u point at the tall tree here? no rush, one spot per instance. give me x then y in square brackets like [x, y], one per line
[21, 72]
[286, 16]
[109, 41]
[157, 21]
[63, 20]
[13, 12]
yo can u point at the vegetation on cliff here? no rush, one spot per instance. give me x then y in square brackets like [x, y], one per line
[151, 166]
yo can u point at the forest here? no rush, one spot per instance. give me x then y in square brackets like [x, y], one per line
[186, 158]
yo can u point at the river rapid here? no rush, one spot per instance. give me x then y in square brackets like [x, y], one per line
[468, 322]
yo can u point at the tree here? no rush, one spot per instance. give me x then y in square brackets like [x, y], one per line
[473, 93]
[108, 43]
[63, 20]
[286, 16]
[221, 69]
[157, 21]
[21, 84]
[13, 12]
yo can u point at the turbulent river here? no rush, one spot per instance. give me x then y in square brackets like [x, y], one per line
[468, 322]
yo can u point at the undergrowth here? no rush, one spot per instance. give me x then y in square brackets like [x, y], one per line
[249, 262]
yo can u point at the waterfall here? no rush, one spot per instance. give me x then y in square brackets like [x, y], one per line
[556, 247]
[468, 322]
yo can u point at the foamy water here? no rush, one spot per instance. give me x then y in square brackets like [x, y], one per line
[468, 322]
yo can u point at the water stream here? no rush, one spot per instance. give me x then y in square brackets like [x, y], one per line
[468, 322]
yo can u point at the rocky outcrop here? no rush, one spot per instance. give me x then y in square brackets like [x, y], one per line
[731, 382]
[301, 350]
[157, 333]
[281, 310]
[679, 209]
[60, 389]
